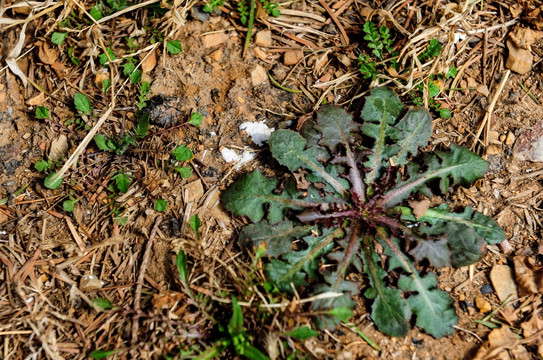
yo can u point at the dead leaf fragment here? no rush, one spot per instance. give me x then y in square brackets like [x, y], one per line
[501, 277]
[59, 147]
[483, 305]
[47, 54]
[36, 100]
[292, 57]
[194, 191]
[499, 341]
[149, 63]
[529, 276]
[420, 207]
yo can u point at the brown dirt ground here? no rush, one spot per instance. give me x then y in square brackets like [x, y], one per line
[45, 252]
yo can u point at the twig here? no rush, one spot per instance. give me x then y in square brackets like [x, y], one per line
[141, 279]
[486, 119]
[344, 37]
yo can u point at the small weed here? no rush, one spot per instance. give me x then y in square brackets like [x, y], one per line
[234, 336]
[354, 218]
[42, 113]
[160, 205]
[43, 165]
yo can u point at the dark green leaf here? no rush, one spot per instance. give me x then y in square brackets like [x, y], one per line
[445, 113]
[288, 147]
[467, 246]
[52, 181]
[102, 354]
[42, 113]
[336, 126]
[341, 313]
[380, 112]
[459, 163]
[484, 225]
[249, 194]
[196, 119]
[436, 251]
[122, 181]
[390, 311]
[142, 126]
[129, 67]
[102, 303]
[182, 153]
[451, 73]
[276, 238]
[160, 205]
[58, 38]
[82, 103]
[303, 333]
[252, 353]
[415, 128]
[174, 47]
[432, 306]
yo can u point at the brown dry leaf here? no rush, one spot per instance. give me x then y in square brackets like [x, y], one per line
[59, 147]
[535, 18]
[166, 299]
[420, 207]
[532, 330]
[516, 10]
[149, 63]
[47, 54]
[529, 276]
[36, 100]
[524, 38]
[499, 341]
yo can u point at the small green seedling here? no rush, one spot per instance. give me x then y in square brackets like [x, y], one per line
[42, 113]
[182, 267]
[354, 216]
[82, 104]
[195, 224]
[160, 205]
[235, 335]
[183, 154]
[174, 47]
[122, 181]
[102, 354]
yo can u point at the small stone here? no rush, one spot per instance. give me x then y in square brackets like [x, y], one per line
[36, 100]
[493, 149]
[261, 54]
[501, 277]
[529, 145]
[215, 39]
[26, 136]
[483, 305]
[292, 57]
[263, 38]
[198, 14]
[259, 75]
[502, 138]
[194, 191]
[519, 60]
[486, 289]
[216, 55]
[483, 90]
[510, 138]
[90, 283]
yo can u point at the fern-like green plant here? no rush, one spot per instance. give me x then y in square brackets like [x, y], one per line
[353, 216]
